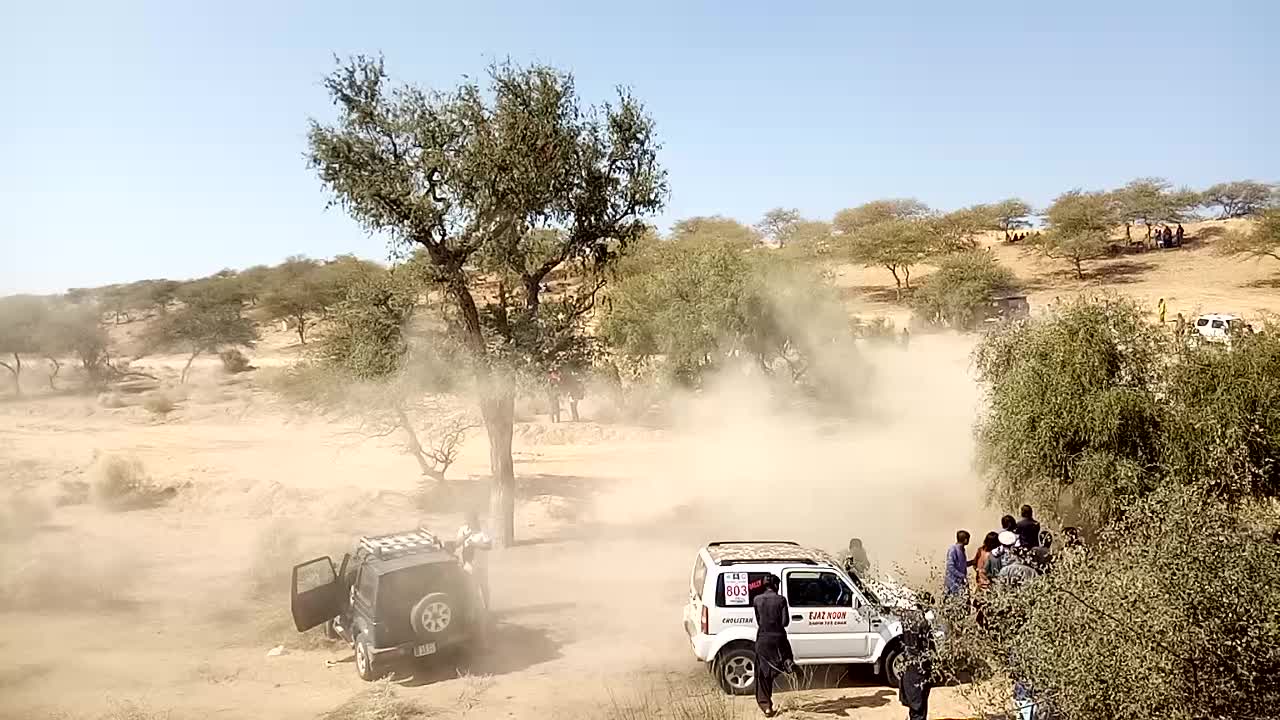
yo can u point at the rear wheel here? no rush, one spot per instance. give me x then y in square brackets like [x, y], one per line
[735, 670]
[364, 659]
[433, 616]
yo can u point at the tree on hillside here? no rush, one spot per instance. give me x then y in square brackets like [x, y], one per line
[77, 330]
[958, 230]
[209, 320]
[1079, 228]
[469, 175]
[301, 289]
[778, 225]
[1240, 198]
[1261, 240]
[716, 226]
[21, 320]
[1150, 201]
[1011, 215]
[961, 289]
[896, 245]
[894, 234]
[850, 220]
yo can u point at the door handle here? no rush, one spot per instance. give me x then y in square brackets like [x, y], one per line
[797, 617]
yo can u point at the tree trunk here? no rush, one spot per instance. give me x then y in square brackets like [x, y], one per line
[897, 280]
[57, 367]
[1128, 231]
[415, 447]
[906, 273]
[187, 368]
[302, 329]
[498, 411]
[1079, 269]
[16, 370]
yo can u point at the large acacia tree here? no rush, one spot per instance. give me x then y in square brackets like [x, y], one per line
[499, 186]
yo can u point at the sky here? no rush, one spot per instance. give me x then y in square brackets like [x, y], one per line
[168, 139]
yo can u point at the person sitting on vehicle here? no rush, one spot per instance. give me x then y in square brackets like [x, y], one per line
[472, 544]
[1027, 529]
[856, 562]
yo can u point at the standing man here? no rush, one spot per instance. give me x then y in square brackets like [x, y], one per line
[1161, 309]
[1028, 529]
[957, 575]
[917, 673]
[773, 649]
[473, 542]
[553, 395]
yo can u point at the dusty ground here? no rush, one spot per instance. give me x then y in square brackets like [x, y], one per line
[175, 607]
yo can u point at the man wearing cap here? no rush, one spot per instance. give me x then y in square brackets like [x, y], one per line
[999, 557]
[773, 650]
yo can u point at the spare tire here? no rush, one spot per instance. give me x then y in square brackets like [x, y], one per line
[433, 616]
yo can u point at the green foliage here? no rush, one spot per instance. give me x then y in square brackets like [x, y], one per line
[960, 292]
[1173, 613]
[1240, 198]
[1074, 421]
[1079, 228]
[300, 289]
[894, 234]
[959, 229]
[779, 224]
[367, 330]
[693, 304]
[209, 320]
[850, 220]
[1011, 215]
[716, 227]
[1152, 200]
[1261, 240]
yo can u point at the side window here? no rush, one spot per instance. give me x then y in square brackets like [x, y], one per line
[1217, 323]
[1201, 322]
[755, 586]
[365, 585]
[699, 577]
[817, 589]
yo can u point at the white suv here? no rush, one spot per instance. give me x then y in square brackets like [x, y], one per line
[1218, 327]
[835, 617]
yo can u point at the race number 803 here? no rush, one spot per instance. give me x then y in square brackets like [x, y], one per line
[736, 589]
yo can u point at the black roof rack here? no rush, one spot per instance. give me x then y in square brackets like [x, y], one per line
[766, 561]
[752, 542]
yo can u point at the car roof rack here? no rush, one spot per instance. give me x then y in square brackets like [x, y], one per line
[718, 543]
[746, 552]
[398, 544]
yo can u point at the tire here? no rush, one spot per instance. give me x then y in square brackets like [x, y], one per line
[735, 670]
[434, 616]
[365, 667]
[891, 665]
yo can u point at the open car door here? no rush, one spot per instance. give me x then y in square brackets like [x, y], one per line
[316, 595]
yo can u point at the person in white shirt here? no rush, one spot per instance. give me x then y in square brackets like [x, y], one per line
[473, 542]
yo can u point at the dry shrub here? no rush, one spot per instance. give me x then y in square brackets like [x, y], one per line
[158, 403]
[67, 579]
[379, 702]
[118, 483]
[679, 703]
[111, 400]
[234, 361]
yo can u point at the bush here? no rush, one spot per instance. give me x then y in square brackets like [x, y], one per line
[379, 702]
[122, 484]
[234, 361]
[158, 403]
[958, 294]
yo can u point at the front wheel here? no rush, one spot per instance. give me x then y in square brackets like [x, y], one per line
[892, 665]
[735, 670]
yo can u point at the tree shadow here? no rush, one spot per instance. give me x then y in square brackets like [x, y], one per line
[874, 293]
[844, 706]
[1271, 283]
[1119, 271]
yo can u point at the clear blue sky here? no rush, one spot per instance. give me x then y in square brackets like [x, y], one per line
[166, 139]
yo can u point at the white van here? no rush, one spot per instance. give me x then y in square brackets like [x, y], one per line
[835, 617]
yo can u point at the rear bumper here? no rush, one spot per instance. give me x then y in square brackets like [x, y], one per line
[701, 645]
[406, 650]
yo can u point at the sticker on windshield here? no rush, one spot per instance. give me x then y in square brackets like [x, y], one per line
[735, 589]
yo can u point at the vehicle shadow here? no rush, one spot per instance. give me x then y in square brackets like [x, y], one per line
[845, 705]
[831, 677]
[511, 648]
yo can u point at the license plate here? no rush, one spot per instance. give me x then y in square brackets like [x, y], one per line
[427, 649]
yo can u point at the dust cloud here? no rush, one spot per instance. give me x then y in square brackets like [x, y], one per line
[899, 475]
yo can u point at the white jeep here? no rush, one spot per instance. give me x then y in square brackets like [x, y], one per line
[835, 617]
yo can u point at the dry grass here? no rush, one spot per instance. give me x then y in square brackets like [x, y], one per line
[158, 404]
[379, 702]
[679, 702]
[118, 484]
